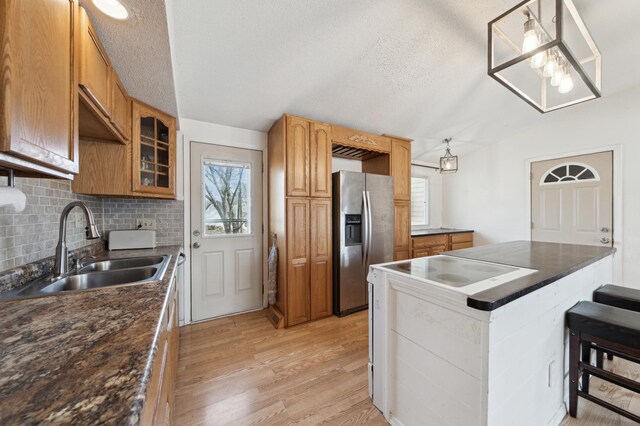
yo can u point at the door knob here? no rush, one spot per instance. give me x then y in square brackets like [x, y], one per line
[605, 240]
[196, 245]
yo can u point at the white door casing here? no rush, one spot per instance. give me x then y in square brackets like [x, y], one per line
[572, 200]
[226, 252]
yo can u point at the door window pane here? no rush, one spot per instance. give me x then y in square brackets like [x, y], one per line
[227, 197]
[419, 201]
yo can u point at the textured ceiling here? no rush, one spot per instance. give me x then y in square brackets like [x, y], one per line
[415, 68]
[139, 50]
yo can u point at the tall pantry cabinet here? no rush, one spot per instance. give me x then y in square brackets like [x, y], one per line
[300, 215]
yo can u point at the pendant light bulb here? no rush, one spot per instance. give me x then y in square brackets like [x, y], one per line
[538, 60]
[566, 84]
[530, 41]
[550, 67]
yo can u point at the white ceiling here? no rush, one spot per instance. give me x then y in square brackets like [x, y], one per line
[415, 68]
[139, 50]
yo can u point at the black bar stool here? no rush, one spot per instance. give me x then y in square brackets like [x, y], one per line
[620, 297]
[614, 330]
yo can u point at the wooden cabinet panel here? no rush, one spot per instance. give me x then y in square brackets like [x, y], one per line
[430, 241]
[321, 273]
[460, 246]
[95, 67]
[402, 255]
[121, 107]
[401, 169]
[320, 160]
[462, 238]
[402, 228]
[38, 105]
[422, 252]
[298, 293]
[297, 157]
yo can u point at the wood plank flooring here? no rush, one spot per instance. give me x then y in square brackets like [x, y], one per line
[240, 371]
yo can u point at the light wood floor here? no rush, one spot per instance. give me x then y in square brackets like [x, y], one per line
[240, 371]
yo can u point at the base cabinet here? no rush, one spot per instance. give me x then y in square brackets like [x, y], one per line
[432, 245]
[159, 404]
[402, 230]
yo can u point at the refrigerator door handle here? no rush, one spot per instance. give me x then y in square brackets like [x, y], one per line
[365, 242]
[370, 232]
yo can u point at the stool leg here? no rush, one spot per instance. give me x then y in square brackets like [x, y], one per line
[574, 373]
[599, 358]
[586, 358]
[609, 357]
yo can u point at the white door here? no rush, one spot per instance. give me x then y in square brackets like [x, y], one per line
[226, 230]
[572, 200]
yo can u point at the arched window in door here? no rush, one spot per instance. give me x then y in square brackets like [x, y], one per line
[569, 173]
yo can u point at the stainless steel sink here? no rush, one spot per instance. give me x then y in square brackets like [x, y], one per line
[108, 265]
[101, 274]
[101, 279]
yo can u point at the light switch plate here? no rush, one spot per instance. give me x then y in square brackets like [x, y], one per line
[145, 223]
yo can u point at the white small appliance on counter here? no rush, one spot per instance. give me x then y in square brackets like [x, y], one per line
[132, 239]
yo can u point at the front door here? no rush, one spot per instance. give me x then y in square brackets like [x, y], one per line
[572, 200]
[226, 230]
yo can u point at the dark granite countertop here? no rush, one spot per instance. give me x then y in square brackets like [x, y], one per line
[552, 261]
[437, 231]
[85, 357]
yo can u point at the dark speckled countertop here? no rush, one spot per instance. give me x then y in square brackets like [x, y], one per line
[552, 261]
[438, 231]
[85, 357]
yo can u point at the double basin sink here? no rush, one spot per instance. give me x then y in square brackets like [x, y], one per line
[99, 274]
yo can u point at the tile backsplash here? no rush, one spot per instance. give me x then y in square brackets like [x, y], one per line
[33, 234]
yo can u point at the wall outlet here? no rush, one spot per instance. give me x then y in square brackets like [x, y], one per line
[145, 224]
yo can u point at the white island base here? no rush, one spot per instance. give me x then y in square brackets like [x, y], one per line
[435, 361]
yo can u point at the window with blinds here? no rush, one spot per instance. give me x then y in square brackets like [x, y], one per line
[419, 201]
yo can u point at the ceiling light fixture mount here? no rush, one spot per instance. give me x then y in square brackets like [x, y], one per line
[552, 62]
[112, 8]
[448, 163]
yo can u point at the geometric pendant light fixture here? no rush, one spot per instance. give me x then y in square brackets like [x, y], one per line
[542, 51]
[448, 163]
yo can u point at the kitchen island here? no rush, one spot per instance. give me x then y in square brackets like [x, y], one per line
[477, 336]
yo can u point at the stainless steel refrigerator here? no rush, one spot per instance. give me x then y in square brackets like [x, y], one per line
[362, 235]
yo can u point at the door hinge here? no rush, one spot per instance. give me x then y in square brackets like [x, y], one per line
[263, 228]
[531, 225]
[530, 175]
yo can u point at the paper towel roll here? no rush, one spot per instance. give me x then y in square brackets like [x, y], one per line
[12, 199]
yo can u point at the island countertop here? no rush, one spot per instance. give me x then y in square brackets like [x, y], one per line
[552, 261]
[84, 357]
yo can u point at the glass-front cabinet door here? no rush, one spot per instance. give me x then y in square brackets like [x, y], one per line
[154, 151]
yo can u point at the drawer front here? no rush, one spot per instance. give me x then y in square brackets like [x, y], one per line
[459, 246]
[436, 240]
[421, 252]
[466, 237]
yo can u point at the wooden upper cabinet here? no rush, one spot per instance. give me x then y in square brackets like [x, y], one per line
[298, 293]
[153, 151]
[120, 107]
[38, 104]
[320, 160]
[297, 157]
[401, 169]
[321, 278]
[95, 67]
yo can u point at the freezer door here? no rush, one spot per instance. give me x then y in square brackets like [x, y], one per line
[350, 287]
[380, 191]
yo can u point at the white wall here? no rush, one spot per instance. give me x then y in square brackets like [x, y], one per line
[435, 193]
[338, 164]
[490, 191]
